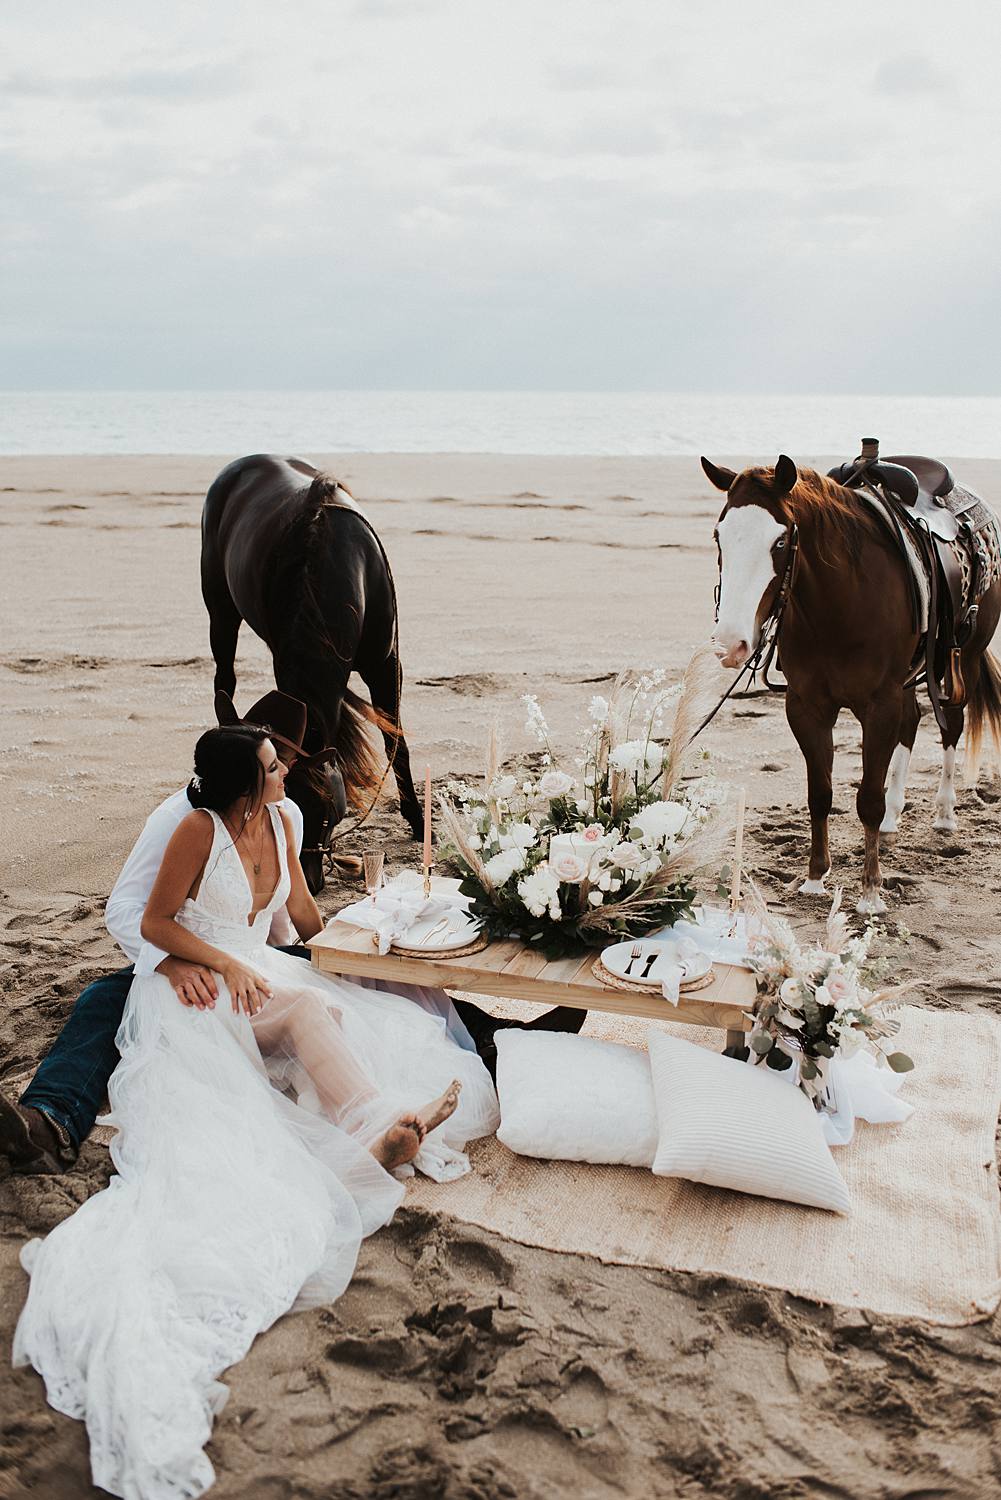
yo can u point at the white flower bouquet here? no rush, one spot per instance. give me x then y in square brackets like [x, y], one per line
[822, 1000]
[569, 861]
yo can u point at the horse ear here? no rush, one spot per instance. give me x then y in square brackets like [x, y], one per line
[785, 475]
[721, 478]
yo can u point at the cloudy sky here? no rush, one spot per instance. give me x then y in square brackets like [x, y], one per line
[714, 195]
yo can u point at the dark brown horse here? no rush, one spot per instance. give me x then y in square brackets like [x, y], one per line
[847, 639]
[286, 548]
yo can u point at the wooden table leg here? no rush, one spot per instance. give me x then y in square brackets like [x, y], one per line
[736, 1038]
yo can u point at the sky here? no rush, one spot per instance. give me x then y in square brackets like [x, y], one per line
[714, 195]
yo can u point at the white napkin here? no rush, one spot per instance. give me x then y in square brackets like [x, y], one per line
[711, 933]
[670, 985]
[398, 906]
[863, 1091]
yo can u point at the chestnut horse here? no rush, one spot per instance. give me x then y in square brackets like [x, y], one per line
[286, 548]
[847, 638]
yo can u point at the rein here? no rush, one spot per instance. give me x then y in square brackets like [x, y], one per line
[763, 655]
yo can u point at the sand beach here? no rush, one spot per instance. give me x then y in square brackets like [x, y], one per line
[460, 1364]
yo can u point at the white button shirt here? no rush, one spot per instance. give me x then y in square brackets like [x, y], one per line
[127, 902]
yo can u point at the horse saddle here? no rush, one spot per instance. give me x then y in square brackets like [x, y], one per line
[924, 486]
[943, 520]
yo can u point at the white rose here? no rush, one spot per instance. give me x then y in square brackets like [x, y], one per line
[635, 755]
[503, 786]
[790, 991]
[474, 841]
[626, 856]
[659, 821]
[555, 784]
[595, 897]
[518, 836]
[569, 868]
[502, 866]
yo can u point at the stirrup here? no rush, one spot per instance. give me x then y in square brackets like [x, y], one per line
[954, 687]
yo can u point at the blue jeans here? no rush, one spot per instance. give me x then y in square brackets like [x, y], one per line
[71, 1083]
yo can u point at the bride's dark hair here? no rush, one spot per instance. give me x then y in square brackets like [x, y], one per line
[227, 767]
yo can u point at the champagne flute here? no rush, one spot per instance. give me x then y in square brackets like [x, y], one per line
[373, 865]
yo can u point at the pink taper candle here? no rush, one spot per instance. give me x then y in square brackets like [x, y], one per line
[427, 818]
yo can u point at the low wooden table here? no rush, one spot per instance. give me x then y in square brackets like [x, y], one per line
[512, 970]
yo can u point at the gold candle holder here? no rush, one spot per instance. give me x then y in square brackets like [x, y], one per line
[427, 881]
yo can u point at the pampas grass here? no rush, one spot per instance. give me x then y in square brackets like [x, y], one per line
[459, 839]
[700, 690]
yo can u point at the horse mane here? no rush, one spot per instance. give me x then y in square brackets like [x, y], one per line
[359, 757]
[833, 513]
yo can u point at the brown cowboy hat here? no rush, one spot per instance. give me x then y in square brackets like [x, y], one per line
[283, 716]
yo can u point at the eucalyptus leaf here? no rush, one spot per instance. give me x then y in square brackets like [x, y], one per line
[778, 1060]
[761, 1042]
[900, 1062]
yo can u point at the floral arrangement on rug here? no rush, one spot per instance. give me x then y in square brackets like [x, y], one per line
[573, 860]
[823, 1000]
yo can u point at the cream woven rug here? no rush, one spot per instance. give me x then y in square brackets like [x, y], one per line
[923, 1239]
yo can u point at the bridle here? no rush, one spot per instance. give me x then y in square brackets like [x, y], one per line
[764, 653]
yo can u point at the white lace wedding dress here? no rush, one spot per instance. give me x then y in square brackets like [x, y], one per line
[244, 1187]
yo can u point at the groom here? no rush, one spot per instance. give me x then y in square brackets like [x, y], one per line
[44, 1131]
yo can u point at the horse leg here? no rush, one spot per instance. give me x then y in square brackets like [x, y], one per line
[945, 798]
[881, 730]
[224, 628]
[812, 722]
[385, 685]
[896, 782]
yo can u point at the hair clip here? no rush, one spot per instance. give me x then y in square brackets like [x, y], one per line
[196, 782]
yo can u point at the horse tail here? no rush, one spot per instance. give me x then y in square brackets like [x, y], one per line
[983, 713]
[359, 757]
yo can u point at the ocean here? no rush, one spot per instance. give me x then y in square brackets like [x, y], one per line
[535, 422]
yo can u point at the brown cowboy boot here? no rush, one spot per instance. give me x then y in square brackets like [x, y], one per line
[30, 1141]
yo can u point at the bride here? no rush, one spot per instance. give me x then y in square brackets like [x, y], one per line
[256, 1146]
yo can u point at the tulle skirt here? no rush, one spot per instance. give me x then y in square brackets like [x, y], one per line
[245, 1186]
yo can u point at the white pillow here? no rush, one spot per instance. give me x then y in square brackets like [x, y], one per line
[723, 1122]
[572, 1098]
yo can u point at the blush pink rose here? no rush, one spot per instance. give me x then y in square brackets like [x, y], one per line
[568, 868]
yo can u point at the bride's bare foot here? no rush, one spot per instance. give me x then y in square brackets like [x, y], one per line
[439, 1109]
[402, 1141]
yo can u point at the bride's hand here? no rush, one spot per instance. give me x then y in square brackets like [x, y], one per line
[248, 990]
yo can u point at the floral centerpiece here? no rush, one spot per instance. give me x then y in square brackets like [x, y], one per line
[818, 1001]
[571, 859]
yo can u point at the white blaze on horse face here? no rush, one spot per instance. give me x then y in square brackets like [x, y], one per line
[746, 536]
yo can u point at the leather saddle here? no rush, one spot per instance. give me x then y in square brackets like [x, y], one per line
[923, 500]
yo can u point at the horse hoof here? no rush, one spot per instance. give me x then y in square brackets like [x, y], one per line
[812, 888]
[946, 825]
[889, 824]
[871, 904]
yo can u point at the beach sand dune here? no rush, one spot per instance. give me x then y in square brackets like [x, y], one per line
[457, 1364]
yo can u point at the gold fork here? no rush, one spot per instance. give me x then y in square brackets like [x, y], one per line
[635, 952]
[426, 940]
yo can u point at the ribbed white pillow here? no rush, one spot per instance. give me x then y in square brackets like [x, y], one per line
[572, 1098]
[723, 1122]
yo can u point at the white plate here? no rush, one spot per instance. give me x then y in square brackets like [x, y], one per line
[618, 960]
[430, 933]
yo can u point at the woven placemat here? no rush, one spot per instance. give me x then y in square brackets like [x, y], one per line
[612, 981]
[476, 946]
